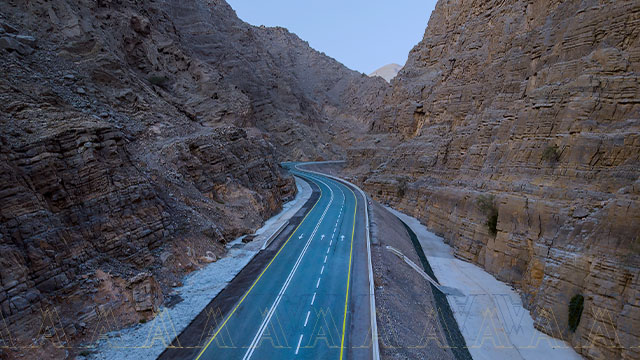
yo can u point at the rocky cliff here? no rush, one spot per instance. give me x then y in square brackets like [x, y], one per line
[136, 138]
[514, 131]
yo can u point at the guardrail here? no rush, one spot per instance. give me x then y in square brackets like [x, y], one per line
[274, 235]
[372, 297]
[444, 289]
[413, 265]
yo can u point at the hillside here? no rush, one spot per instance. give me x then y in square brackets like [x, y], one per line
[133, 134]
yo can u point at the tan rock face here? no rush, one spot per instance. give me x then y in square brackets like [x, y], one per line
[537, 103]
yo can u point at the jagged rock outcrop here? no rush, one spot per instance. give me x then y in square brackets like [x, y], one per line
[538, 104]
[138, 138]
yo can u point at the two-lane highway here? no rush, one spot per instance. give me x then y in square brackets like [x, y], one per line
[311, 301]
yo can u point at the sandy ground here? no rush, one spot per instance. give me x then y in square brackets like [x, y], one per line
[490, 314]
[148, 340]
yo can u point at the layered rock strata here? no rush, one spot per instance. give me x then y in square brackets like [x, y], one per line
[136, 139]
[533, 106]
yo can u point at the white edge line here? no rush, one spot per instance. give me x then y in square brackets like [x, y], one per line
[372, 297]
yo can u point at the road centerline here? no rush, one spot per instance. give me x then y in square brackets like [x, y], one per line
[275, 304]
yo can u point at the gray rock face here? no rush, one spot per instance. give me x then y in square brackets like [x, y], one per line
[18, 44]
[133, 134]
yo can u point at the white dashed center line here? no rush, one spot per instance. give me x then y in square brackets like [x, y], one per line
[318, 283]
[307, 319]
[314, 298]
[322, 270]
[325, 259]
[299, 342]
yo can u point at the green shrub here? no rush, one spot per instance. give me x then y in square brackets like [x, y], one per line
[159, 80]
[576, 305]
[492, 224]
[551, 153]
[487, 204]
[402, 188]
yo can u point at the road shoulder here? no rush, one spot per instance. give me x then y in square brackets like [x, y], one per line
[408, 321]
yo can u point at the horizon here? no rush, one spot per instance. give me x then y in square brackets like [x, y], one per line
[348, 32]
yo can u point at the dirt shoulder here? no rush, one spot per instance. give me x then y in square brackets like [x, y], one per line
[411, 323]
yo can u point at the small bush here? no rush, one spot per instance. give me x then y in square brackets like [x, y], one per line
[487, 204]
[492, 224]
[159, 80]
[402, 188]
[142, 321]
[576, 305]
[551, 153]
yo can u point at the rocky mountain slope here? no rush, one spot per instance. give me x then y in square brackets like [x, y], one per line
[387, 72]
[514, 131]
[136, 138]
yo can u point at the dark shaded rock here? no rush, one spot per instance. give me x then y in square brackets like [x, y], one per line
[11, 43]
[140, 24]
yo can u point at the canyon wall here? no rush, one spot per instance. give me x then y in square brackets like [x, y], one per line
[136, 139]
[534, 108]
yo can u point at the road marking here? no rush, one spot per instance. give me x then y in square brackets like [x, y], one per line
[301, 235]
[275, 304]
[322, 237]
[342, 238]
[318, 283]
[346, 298]
[328, 249]
[330, 242]
[307, 319]
[325, 259]
[256, 281]
[374, 333]
[314, 298]
[299, 342]
[322, 270]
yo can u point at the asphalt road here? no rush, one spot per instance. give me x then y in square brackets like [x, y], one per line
[311, 299]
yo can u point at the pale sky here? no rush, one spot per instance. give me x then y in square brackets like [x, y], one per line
[362, 34]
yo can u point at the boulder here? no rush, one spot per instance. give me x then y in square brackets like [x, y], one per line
[12, 44]
[27, 40]
[140, 24]
[146, 292]
[8, 28]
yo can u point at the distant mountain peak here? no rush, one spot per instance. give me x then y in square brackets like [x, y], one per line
[387, 72]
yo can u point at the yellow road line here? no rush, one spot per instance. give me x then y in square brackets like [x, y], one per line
[346, 299]
[262, 273]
